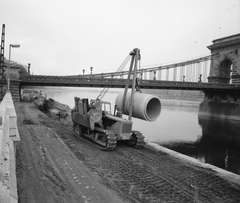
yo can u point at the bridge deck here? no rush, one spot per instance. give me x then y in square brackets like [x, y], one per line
[39, 80]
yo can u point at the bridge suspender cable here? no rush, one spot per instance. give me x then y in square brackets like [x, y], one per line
[156, 68]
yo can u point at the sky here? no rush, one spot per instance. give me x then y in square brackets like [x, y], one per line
[60, 37]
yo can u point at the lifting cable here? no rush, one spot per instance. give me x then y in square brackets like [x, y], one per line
[139, 78]
[122, 66]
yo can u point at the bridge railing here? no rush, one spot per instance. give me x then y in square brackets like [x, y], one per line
[116, 82]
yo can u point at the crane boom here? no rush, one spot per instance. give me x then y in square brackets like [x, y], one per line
[135, 53]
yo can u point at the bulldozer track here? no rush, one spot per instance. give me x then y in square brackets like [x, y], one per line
[149, 176]
[111, 142]
[137, 176]
[141, 177]
[206, 185]
[112, 139]
[137, 180]
[140, 139]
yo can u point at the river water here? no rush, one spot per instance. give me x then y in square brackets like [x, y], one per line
[179, 127]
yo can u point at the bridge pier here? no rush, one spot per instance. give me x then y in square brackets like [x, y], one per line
[221, 104]
[225, 69]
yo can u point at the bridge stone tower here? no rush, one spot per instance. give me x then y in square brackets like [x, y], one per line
[225, 68]
[225, 62]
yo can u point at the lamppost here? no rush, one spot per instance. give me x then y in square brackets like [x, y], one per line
[13, 46]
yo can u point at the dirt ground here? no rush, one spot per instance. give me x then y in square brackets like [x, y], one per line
[55, 166]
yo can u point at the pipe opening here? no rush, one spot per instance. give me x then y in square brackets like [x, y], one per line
[145, 106]
[153, 109]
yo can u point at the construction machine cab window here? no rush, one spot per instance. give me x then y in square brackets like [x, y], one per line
[104, 106]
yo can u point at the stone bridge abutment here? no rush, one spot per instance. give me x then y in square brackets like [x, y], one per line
[225, 68]
[225, 61]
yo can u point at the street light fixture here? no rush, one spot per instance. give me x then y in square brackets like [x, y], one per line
[13, 46]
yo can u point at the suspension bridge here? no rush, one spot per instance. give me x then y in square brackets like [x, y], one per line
[219, 71]
[188, 75]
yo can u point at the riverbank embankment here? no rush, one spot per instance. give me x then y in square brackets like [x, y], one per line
[53, 165]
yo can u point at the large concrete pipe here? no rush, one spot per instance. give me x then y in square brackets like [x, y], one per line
[145, 106]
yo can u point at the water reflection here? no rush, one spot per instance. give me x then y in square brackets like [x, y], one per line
[219, 144]
[221, 132]
[220, 110]
[222, 136]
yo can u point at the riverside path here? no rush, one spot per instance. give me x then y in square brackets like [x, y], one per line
[53, 165]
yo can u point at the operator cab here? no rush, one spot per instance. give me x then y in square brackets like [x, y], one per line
[105, 106]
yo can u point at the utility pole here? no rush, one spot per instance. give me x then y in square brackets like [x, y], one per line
[2, 60]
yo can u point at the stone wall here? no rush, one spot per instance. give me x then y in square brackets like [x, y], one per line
[225, 62]
[14, 89]
[9, 137]
[217, 79]
[236, 79]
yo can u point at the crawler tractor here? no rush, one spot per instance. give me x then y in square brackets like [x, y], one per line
[95, 121]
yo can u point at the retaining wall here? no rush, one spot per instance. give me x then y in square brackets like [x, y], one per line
[9, 137]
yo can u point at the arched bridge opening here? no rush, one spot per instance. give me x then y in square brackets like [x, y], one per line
[225, 69]
[225, 62]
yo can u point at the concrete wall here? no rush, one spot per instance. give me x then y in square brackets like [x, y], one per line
[9, 137]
